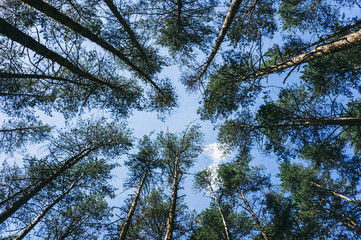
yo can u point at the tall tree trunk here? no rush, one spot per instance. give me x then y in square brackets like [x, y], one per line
[16, 35]
[38, 187]
[334, 34]
[126, 26]
[233, 9]
[253, 215]
[342, 121]
[343, 43]
[45, 211]
[173, 202]
[123, 232]
[337, 194]
[60, 17]
[37, 76]
[220, 212]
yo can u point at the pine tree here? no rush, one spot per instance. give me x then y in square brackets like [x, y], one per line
[178, 153]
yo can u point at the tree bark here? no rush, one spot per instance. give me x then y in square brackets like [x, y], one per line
[342, 121]
[173, 202]
[342, 43]
[220, 211]
[60, 17]
[253, 215]
[323, 39]
[38, 187]
[16, 35]
[233, 9]
[45, 211]
[123, 232]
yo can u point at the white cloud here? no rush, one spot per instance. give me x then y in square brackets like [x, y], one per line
[213, 152]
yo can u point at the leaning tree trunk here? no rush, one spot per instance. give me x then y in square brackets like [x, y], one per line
[233, 9]
[123, 232]
[60, 17]
[334, 34]
[173, 202]
[37, 76]
[38, 187]
[220, 211]
[253, 214]
[45, 211]
[342, 43]
[341, 121]
[18, 36]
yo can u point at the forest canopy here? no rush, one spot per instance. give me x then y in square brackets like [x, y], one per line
[279, 80]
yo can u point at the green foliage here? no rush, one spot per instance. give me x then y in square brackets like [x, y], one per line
[183, 147]
[147, 158]
[181, 26]
[225, 93]
[151, 217]
[310, 15]
[238, 174]
[336, 74]
[209, 224]
[249, 28]
[289, 222]
[17, 133]
[109, 138]
[99, 65]
[318, 201]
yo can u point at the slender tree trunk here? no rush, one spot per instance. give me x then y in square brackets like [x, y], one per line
[123, 232]
[342, 121]
[71, 228]
[343, 43]
[126, 26]
[220, 212]
[36, 76]
[253, 214]
[16, 35]
[19, 129]
[233, 9]
[45, 211]
[24, 199]
[173, 202]
[337, 194]
[179, 12]
[345, 167]
[346, 220]
[60, 17]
